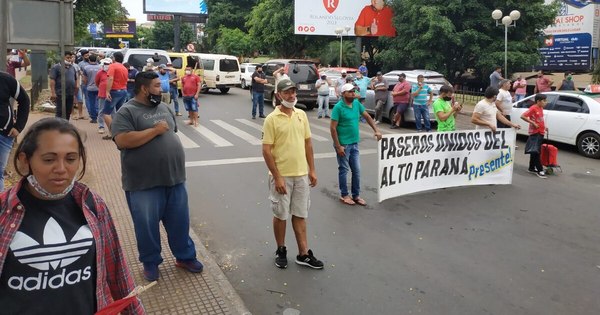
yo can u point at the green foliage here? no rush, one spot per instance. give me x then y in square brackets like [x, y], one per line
[86, 11]
[163, 36]
[331, 54]
[455, 35]
[596, 74]
[234, 42]
[228, 14]
[141, 32]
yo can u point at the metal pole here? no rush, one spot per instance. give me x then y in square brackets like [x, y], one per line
[61, 43]
[341, 45]
[177, 32]
[505, 50]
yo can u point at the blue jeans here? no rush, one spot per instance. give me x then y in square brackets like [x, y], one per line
[422, 112]
[175, 97]
[190, 103]
[519, 97]
[130, 94]
[6, 144]
[91, 101]
[323, 101]
[258, 99]
[349, 162]
[118, 99]
[169, 205]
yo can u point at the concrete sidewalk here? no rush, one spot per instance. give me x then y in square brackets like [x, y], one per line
[178, 291]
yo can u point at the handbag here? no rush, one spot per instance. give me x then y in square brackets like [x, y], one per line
[534, 143]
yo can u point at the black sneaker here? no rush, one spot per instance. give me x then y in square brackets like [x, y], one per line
[309, 260]
[532, 171]
[281, 257]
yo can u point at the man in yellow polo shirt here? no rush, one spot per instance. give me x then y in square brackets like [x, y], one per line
[287, 150]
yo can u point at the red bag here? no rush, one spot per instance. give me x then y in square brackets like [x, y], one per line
[549, 155]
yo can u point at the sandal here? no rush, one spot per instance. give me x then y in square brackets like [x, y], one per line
[107, 137]
[347, 200]
[360, 201]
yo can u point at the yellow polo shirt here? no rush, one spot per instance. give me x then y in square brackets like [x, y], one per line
[287, 136]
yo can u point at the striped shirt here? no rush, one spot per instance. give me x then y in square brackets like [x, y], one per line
[423, 96]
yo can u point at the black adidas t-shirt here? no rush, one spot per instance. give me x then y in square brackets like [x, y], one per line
[51, 264]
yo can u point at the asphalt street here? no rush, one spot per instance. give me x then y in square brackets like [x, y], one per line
[526, 248]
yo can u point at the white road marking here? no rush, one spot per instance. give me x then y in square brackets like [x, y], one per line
[212, 137]
[186, 141]
[260, 159]
[238, 132]
[259, 127]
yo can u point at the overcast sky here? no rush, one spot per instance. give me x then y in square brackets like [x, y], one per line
[135, 9]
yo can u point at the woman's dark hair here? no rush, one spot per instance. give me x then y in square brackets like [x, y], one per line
[29, 144]
[143, 79]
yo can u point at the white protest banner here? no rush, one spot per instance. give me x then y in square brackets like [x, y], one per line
[410, 163]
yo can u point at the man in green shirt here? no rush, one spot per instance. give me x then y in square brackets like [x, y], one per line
[445, 111]
[344, 128]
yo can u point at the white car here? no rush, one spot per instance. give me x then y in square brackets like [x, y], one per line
[247, 69]
[571, 118]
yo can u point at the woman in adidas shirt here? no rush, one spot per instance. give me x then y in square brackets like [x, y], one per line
[59, 250]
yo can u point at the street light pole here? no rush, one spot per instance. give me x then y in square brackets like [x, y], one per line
[508, 21]
[340, 32]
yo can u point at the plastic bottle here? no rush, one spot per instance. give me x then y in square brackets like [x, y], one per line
[374, 27]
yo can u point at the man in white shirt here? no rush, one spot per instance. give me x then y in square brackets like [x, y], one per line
[486, 113]
[322, 86]
[504, 101]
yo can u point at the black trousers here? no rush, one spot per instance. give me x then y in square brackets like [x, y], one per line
[68, 103]
[501, 125]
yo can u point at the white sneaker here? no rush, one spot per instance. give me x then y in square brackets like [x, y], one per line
[100, 130]
[541, 174]
[377, 122]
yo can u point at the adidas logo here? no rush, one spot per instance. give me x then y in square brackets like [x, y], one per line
[55, 252]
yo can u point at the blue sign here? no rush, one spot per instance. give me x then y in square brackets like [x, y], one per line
[93, 30]
[581, 3]
[569, 52]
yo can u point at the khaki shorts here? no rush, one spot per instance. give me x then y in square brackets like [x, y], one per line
[297, 200]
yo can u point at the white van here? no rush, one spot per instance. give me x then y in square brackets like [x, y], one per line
[220, 72]
[137, 57]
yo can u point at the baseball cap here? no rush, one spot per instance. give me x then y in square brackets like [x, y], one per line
[162, 66]
[379, 73]
[106, 61]
[347, 87]
[150, 60]
[344, 71]
[285, 85]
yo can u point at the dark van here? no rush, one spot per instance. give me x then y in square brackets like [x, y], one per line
[302, 72]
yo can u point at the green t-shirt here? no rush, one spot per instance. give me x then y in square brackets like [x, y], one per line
[348, 119]
[443, 106]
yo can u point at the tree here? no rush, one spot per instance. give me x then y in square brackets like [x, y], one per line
[226, 13]
[234, 42]
[331, 54]
[86, 11]
[162, 35]
[455, 35]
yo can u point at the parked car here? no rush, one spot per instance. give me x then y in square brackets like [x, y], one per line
[247, 69]
[334, 74]
[137, 57]
[571, 117]
[221, 72]
[302, 72]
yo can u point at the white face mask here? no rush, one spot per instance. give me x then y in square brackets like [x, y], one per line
[105, 68]
[46, 194]
[289, 104]
[67, 63]
[188, 72]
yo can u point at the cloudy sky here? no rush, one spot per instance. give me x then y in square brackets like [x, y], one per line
[135, 9]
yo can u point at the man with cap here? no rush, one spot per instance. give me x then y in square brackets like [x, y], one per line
[339, 83]
[165, 89]
[288, 153]
[149, 65]
[380, 86]
[258, 89]
[345, 134]
[322, 86]
[401, 97]
[116, 88]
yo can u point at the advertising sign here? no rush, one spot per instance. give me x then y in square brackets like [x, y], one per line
[410, 163]
[180, 7]
[323, 17]
[122, 29]
[567, 52]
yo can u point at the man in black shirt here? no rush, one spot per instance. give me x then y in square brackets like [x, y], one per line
[258, 88]
[10, 126]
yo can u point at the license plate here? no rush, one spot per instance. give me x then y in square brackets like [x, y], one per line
[230, 76]
[303, 87]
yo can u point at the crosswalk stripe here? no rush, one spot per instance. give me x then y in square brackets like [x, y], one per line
[362, 133]
[212, 137]
[238, 132]
[259, 127]
[186, 141]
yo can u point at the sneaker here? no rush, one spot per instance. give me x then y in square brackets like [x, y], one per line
[281, 257]
[394, 127]
[101, 130]
[309, 260]
[377, 122]
[93, 121]
[531, 171]
[319, 117]
[193, 265]
[541, 174]
[150, 272]
[253, 117]
[178, 114]
[327, 116]
[262, 116]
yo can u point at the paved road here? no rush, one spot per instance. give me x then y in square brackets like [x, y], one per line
[527, 248]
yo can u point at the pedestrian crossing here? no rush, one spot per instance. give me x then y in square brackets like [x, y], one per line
[222, 133]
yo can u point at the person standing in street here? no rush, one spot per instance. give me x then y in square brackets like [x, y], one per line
[363, 68]
[567, 83]
[100, 80]
[344, 129]
[339, 83]
[173, 89]
[116, 89]
[422, 99]
[542, 84]
[153, 176]
[16, 59]
[288, 152]
[520, 87]
[401, 97]
[380, 86]
[82, 94]
[258, 89]
[496, 77]
[504, 102]
[131, 73]
[362, 82]
[91, 95]
[445, 111]
[11, 126]
[71, 85]
[537, 128]
[486, 113]
[165, 85]
[322, 86]
[191, 85]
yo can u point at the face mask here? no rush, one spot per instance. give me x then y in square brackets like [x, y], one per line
[569, 78]
[343, 75]
[46, 194]
[149, 64]
[131, 68]
[289, 104]
[105, 68]
[154, 99]
[188, 72]
[447, 98]
[67, 63]
[259, 71]
[323, 78]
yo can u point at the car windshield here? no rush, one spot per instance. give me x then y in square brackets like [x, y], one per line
[228, 65]
[251, 69]
[302, 73]
[139, 60]
[436, 80]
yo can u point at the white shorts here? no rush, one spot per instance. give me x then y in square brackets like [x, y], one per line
[297, 200]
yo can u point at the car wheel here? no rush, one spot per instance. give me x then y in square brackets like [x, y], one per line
[589, 145]
[244, 86]
[224, 90]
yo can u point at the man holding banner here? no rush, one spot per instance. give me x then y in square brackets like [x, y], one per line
[344, 128]
[486, 112]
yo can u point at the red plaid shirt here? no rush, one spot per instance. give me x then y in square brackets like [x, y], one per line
[113, 279]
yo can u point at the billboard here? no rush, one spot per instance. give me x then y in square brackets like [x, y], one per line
[121, 29]
[179, 7]
[363, 17]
